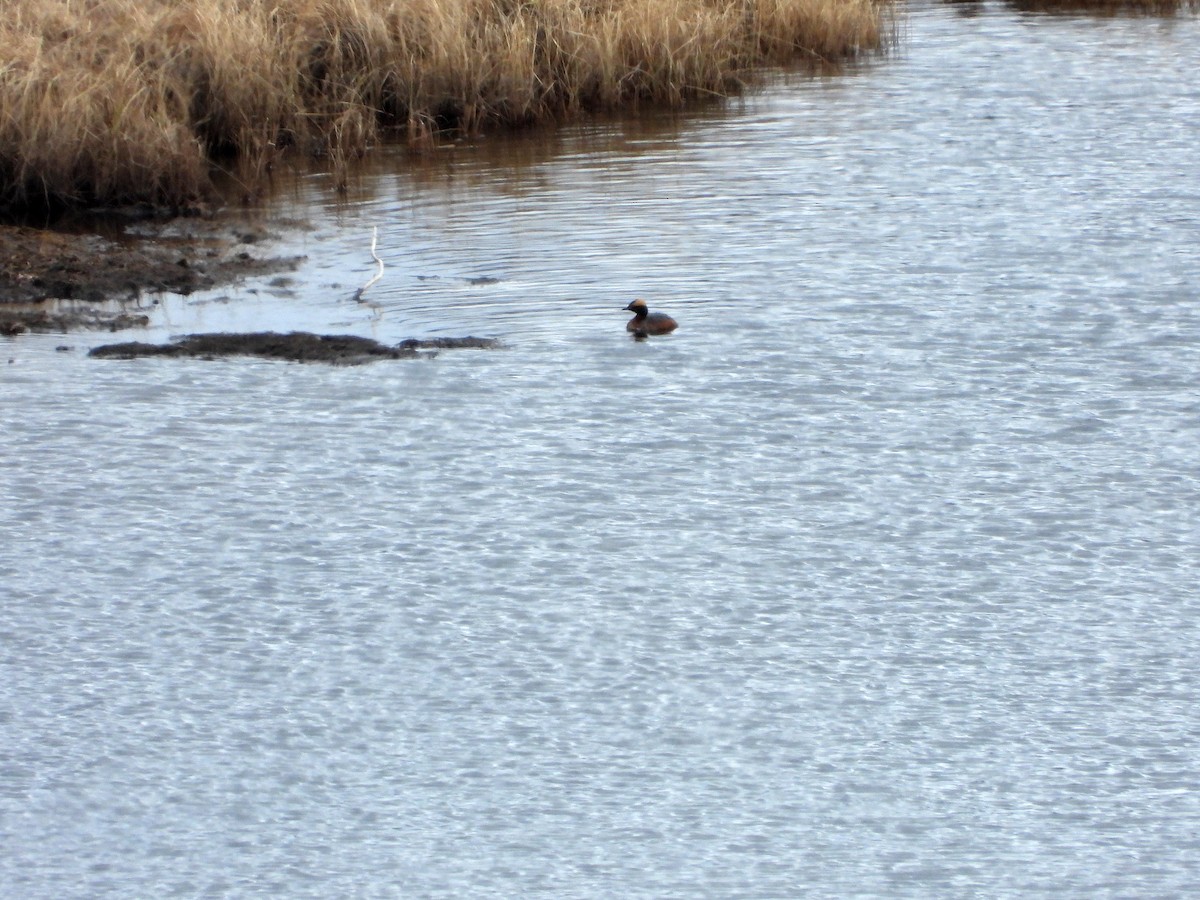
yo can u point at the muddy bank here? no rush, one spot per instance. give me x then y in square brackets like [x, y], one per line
[298, 346]
[56, 281]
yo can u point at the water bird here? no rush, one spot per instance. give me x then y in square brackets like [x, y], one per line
[645, 323]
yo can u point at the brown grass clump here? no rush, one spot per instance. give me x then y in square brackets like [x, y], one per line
[120, 101]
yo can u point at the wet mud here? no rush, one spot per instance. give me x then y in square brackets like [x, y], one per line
[297, 346]
[58, 281]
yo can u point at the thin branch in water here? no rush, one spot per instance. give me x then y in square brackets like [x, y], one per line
[362, 290]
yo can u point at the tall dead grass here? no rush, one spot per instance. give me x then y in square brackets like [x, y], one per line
[117, 101]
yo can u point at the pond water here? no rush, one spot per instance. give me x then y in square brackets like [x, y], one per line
[877, 578]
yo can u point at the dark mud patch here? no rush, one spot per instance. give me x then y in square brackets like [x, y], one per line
[55, 317]
[54, 281]
[298, 346]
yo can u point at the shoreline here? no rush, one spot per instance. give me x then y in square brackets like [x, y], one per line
[132, 101]
[54, 281]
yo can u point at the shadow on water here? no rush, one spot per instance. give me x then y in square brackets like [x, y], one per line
[1098, 8]
[513, 159]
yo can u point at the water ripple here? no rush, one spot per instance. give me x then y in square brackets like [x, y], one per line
[876, 578]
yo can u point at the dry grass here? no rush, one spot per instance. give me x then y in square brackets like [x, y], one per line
[117, 101]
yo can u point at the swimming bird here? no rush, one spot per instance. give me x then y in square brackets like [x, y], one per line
[645, 323]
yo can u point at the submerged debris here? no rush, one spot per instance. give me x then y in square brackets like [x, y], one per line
[298, 346]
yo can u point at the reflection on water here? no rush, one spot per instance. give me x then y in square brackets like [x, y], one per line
[877, 577]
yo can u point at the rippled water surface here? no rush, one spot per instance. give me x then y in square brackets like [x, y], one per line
[879, 577]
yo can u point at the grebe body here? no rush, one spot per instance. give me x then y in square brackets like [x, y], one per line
[645, 323]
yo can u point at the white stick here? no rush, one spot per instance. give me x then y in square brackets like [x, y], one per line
[362, 290]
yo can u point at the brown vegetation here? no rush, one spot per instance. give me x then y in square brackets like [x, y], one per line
[120, 101]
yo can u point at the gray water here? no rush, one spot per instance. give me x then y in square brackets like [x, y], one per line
[877, 578]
